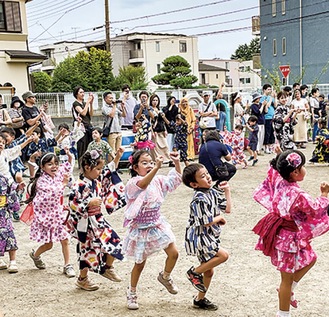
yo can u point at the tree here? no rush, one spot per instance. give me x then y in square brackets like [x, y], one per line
[92, 70]
[135, 77]
[176, 72]
[245, 52]
[41, 82]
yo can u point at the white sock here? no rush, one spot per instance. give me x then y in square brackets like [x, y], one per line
[13, 262]
[282, 313]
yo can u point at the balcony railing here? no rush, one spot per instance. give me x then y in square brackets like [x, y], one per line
[136, 54]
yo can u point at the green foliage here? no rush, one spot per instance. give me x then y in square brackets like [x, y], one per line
[92, 70]
[175, 72]
[41, 82]
[135, 77]
[273, 78]
[245, 52]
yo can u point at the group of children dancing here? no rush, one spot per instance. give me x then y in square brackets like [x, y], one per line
[285, 233]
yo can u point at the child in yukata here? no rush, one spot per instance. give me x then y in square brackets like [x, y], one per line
[180, 140]
[142, 137]
[100, 145]
[238, 156]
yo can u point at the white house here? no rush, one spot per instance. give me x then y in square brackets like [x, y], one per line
[15, 57]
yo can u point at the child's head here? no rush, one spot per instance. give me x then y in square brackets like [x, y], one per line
[238, 129]
[290, 165]
[92, 164]
[321, 97]
[179, 119]
[3, 141]
[282, 97]
[49, 164]
[322, 123]
[9, 134]
[204, 134]
[252, 120]
[36, 134]
[64, 126]
[97, 133]
[196, 176]
[141, 163]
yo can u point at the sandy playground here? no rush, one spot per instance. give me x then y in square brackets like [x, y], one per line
[243, 286]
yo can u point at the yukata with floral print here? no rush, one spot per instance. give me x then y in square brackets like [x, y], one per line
[98, 244]
[294, 219]
[9, 203]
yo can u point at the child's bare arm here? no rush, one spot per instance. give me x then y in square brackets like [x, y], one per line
[146, 180]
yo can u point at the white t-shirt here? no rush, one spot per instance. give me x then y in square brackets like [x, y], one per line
[211, 121]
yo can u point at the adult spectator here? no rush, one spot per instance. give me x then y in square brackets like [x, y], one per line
[84, 110]
[211, 154]
[159, 131]
[304, 90]
[207, 113]
[31, 113]
[113, 112]
[269, 101]
[223, 111]
[288, 92]
[315, 111]
[300, 132]
[258, 110]
[129, 102]
[4, 116]
[170, 112]
[185, 109]
[295, 86]
[15, 114]
[143, 107]
[238, 110]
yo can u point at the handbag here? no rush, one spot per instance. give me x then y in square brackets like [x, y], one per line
[221, 170]
[27, 214]
[203, 121]
[107, 128]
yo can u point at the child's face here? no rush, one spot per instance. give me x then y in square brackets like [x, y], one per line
[35, 137]
[283, 100]
[3, 143]
[51, 167]
[202, 179]
[237, 131]
[93, 173]
[252, 123]
[321, 98]
[179, 121]
[64, 131]
[9, 138]
[298, 174]
[95, 135]
[144, 165]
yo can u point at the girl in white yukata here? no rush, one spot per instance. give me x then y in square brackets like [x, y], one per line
[148, 232]
[98, 244]
[46, 194]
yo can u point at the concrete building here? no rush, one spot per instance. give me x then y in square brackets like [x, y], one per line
[15, 57]
[294, 33]
[211, 75]
[150, 49]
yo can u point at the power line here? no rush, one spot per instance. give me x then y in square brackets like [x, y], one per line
[48, 8]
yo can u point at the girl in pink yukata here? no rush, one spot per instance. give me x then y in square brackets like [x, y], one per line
[294, 218]
[238, 156]
[46, 194]
[148, 232]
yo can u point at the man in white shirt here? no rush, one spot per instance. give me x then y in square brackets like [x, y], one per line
[130, 103]
[207, 113]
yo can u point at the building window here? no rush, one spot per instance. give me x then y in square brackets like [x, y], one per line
[10, 16]
[159, 68]
[203, 79]
[274, 47]
[217, 76]
[241, 69]
[248, 80]
[157, 46]
[274, 8]
[284, 46]
[241, 80]
[182, 47]
[283, 7]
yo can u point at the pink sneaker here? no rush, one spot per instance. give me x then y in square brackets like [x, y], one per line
[294, 302]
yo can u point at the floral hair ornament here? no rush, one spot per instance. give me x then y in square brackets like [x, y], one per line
[294, 160]
[95, 155]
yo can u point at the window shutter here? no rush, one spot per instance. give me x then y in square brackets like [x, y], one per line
[13, 16]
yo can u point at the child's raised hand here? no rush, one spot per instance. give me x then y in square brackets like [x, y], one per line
[224, 185]
[159, 161]
[324, 188]
[220, 220]
[66, 178]
[174, 156]
[120, 151]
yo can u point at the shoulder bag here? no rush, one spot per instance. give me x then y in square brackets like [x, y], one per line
[221, 170]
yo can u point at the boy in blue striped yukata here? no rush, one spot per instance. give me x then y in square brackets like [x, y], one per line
[204, 228]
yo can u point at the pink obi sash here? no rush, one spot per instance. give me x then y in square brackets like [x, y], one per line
[269, 226]
[148, 216]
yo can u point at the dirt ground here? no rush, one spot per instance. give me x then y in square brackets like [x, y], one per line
[243, 286]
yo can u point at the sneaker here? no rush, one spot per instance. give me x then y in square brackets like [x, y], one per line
[37, 261]
[132, 300]
[196, 279]
[205, 304]
[254, 162]
[86, 284]
[168, 284]
[15, 216]
[12, 268]
[111, 275]
[250, 158]
[3, 265]
[68, 270]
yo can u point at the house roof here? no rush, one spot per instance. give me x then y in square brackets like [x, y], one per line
[18, 54]
[210, 68]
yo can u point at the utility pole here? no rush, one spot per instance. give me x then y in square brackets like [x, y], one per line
[107, 25]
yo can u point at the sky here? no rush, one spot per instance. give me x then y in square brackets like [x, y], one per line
[221, 26]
